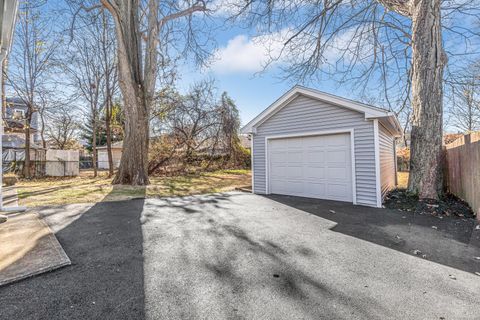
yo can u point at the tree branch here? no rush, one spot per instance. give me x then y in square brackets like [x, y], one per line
[402, 7]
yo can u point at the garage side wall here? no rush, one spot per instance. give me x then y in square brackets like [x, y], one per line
[387, 160]
[304, 115]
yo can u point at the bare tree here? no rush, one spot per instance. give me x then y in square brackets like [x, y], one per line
[62, 128]
[84, 66]
[141, 31]
[48, 100]
[466, 100]
[198, 127]
[105, 37]
[194, 119]
[395, 45]
[31, 62]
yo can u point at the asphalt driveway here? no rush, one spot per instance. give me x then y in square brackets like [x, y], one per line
[241, 256]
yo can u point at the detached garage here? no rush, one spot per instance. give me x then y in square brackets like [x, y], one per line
[317, 145]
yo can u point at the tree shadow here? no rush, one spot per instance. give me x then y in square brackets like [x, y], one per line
[450, 241]
[105, 280]
[210, 258]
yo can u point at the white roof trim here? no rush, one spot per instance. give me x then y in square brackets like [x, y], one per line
[369, 111]
[8, 15]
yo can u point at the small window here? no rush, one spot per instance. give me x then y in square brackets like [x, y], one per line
[18, 114]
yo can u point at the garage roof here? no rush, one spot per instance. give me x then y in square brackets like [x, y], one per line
[388, 118]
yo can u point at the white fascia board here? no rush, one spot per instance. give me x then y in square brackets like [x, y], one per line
[392, 124]
[265, 114]
[8, 18]
[378, 189]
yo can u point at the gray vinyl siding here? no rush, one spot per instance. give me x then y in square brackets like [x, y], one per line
[387, 160]
[303, 115]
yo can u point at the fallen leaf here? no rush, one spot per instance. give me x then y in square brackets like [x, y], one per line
[332, 211]
[434, 227]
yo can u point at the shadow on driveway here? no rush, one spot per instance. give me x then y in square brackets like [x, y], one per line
[105, 280]
[450, 241]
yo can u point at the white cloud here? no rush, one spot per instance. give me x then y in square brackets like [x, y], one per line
[248, 55]
[243, 54]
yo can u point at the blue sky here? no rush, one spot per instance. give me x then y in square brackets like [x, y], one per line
[237, 65]
[239, 58]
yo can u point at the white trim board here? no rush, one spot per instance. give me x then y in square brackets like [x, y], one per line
[378, 189]
[370, 112]
[252, 168]
[309, 134]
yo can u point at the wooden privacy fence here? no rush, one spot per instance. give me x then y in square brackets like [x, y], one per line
[463, 169]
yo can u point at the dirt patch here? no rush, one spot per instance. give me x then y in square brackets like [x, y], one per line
[449, 205]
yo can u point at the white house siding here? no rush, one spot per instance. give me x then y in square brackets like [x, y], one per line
[303, 115]
[103, 158]
[387, 160]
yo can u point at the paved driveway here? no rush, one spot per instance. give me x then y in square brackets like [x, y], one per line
[241, 256]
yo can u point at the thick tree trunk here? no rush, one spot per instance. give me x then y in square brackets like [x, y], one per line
[428, 59]
[137, 83]
[134, 162]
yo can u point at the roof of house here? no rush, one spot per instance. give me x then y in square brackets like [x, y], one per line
[115, 145]
[13, 141]
[370, 112]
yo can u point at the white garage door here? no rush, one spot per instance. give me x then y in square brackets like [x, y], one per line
[313, 166]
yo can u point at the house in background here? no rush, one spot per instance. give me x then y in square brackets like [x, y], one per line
[317, 145]
[13, 139]
[102, 158]
[14, 115]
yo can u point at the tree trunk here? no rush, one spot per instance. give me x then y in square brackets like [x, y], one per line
[137, 84]
[428, 59]
[26, 167]
[134, 162]
[108, 129]
[42, 131]
[94, 146]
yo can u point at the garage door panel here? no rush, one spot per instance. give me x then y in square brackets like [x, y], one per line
[335, 174]
[315, 173]
[315, 156]
[338, 191]
[277, 171]
[295, 157]
[316, 190]
[291, 187]
[277, 157]
[334, 156]
[294, 172]
[313, 166]
[336, 140]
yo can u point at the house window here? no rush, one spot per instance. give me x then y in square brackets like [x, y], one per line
[18, 114]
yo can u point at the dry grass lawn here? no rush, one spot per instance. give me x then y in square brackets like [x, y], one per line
[402, 180]
[85, 188]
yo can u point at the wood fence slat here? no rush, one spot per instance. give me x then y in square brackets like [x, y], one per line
[463, 169]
